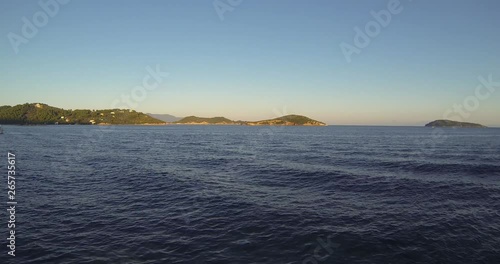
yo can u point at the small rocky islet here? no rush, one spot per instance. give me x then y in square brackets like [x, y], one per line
[453, 124]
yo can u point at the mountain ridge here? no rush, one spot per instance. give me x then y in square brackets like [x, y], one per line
[165, 117]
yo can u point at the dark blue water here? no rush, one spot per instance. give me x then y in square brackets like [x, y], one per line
[230, 194]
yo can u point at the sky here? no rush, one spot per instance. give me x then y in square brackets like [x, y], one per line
[334, 61]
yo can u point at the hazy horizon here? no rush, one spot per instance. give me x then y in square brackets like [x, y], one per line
[258, 60]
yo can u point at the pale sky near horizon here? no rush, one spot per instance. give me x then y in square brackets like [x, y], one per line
[264, 59]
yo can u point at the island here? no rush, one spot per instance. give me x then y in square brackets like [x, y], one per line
[288, 120]
[43, 114]
[454, 124]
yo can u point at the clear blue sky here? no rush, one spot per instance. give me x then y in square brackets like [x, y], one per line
[264, 56]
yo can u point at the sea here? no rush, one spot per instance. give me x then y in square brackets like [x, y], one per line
[241, 194]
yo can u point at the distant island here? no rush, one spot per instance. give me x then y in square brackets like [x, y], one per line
[42, 114]
[288, 120]
[450, 123]
[165, 117]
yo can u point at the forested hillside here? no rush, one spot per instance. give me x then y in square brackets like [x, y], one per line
[27, 114]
